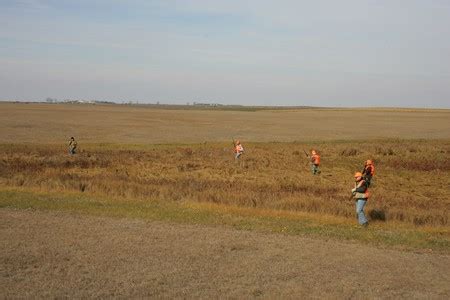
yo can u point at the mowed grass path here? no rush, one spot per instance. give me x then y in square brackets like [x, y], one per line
[55, 123]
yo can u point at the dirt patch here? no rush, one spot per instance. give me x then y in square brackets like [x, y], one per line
[48, 254]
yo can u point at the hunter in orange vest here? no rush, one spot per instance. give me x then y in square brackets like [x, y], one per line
[238, 149]
[368, 171]
[361, 194]
[315, 162]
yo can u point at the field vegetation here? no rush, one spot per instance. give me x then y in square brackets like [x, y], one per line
[272, 184]
[124, 124]
[410, 185]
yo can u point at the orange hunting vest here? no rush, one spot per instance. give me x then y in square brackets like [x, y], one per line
[315, 159]
[364, 195]
[372, 169]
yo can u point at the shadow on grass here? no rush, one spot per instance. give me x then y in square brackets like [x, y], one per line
[377, 214]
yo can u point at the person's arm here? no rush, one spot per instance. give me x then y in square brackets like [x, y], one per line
[362, 188]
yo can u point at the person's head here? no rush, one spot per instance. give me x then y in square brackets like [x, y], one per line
[313, 152]
[238, 142]
[358, 176]
[368, 162]
[72, 138]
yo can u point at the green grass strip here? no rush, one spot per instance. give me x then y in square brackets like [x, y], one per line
[239, 218]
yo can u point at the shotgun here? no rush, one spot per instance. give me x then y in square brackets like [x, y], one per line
[305, 153]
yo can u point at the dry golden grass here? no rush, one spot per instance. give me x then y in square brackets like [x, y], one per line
[47, 123]
[410, 186]
[154, 165]
[120, 157]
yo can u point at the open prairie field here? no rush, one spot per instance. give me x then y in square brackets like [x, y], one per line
[55, 123]
[155, 172]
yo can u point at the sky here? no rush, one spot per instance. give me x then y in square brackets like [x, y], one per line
[349, 53]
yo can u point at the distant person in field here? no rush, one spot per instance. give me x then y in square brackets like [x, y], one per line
[315, 162]
[72, 146]
[238, 150]
[361, 194]
[368, 171]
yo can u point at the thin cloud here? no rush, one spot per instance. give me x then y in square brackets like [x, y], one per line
[284, 52]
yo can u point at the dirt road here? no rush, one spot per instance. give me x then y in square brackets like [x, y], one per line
[50, 254]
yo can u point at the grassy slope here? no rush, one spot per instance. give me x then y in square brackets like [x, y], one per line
[410, 176]
[398, 236]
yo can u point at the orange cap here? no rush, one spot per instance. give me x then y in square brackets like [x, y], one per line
[358, 174]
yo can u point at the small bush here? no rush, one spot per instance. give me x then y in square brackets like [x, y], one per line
[349, 152]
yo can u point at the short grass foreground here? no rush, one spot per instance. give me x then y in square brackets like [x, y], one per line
[270, 190]
[398, 237]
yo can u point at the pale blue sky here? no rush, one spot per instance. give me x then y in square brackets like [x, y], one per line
[322, 53]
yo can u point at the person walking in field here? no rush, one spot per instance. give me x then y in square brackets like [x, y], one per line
[315, 162]
[368, 171]
[72, 146]
[238, 150]
[361, 194]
